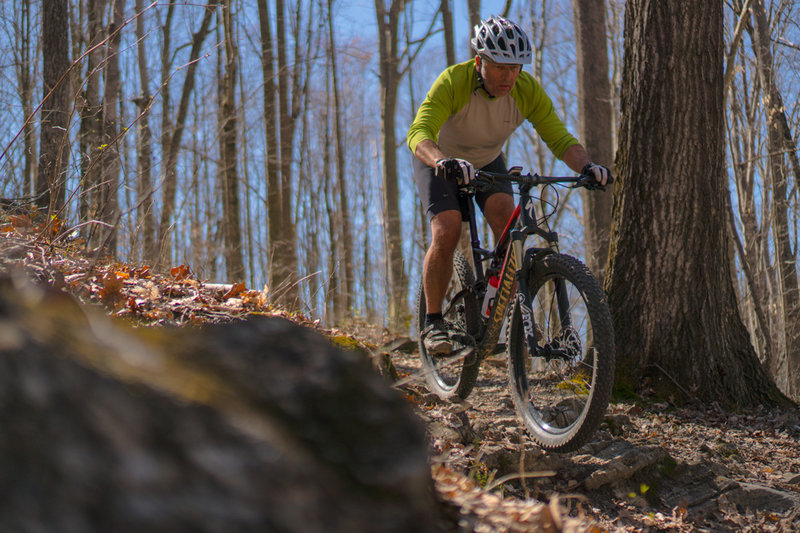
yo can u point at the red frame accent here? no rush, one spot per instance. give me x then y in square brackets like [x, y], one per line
[504, 236]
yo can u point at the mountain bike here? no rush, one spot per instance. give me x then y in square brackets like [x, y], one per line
[559, 337]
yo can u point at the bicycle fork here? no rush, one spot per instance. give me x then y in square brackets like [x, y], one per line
[525, 301]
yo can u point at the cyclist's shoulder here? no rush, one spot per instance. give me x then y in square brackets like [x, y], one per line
[460, 77]
[529, 95]
[527, 87]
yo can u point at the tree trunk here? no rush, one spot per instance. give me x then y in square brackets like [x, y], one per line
[145, 215]
[230, 204]
[674, 306]
[169, 167]
[753, 252]
[540, 23]
[449, 39]
[25, 59]
[167, 124]
[333, 300]
[91, 122]
[313, 189]
[288, 110]
[54, 150]
[108, 188]
[780, 142]
[474, 10]
[274, 208]
[595, 117]
[345, 233]
[464, 244]
[389, 77]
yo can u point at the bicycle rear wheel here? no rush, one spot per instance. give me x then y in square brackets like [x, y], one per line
[562, 391]
[454, 376]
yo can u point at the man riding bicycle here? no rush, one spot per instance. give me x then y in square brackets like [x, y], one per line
[469, 113]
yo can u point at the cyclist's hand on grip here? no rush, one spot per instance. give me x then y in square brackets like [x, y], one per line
[456, 170]
[597, 175]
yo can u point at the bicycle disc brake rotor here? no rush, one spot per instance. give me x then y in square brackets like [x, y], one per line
[561, 372]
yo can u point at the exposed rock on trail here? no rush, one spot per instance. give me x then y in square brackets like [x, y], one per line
[260, 425]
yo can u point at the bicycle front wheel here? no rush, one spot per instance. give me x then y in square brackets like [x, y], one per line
[562, 390]
[454, 376]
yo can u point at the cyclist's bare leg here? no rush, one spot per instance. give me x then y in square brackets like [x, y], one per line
[438, 265]
[498, 209]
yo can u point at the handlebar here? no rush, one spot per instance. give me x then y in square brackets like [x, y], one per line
[533, 180]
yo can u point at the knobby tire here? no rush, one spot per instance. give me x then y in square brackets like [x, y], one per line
[562, 394]
[451, 377]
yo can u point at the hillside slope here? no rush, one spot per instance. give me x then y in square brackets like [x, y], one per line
[651, 467]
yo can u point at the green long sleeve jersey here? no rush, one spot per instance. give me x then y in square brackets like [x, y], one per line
[465, 122]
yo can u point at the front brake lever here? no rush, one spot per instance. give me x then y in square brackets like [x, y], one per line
[482, 186]
[588, 183]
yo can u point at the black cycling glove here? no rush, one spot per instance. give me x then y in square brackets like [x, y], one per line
[459, 171]
[600, 174]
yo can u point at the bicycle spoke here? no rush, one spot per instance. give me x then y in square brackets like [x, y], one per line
[454, 374]
[562, 388]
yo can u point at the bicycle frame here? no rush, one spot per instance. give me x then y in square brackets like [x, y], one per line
[560, 337]
[517, 261]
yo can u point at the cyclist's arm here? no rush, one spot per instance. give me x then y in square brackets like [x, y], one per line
[538, 108]
[432, 113]
[449, 93]
[428, 152]
[576, 157]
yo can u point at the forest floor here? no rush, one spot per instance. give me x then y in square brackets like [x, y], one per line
[652, 466]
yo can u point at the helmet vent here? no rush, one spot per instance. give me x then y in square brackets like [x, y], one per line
[502, 41]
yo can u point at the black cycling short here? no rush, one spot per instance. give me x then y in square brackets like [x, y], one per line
[438, 194]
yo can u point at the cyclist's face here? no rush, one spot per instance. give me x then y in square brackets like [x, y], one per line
[498, 79]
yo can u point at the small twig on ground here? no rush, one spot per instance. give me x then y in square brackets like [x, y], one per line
[673, 380]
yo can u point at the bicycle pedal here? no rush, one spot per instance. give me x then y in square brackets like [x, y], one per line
[467, 353]
[462, 338]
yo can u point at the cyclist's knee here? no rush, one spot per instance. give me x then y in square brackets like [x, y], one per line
[499, 208]
[446, 228]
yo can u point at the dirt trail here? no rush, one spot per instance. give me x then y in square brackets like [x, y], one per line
[650, 467]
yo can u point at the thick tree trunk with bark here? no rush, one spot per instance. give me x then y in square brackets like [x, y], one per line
[389, 83]
[595, 114]
[675, 313]
[54, 150]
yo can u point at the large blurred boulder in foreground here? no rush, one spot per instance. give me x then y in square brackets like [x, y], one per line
[254, 426]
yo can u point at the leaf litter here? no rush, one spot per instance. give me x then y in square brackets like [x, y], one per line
[482, 465]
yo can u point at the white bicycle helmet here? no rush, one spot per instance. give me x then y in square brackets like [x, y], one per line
[502, 41]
